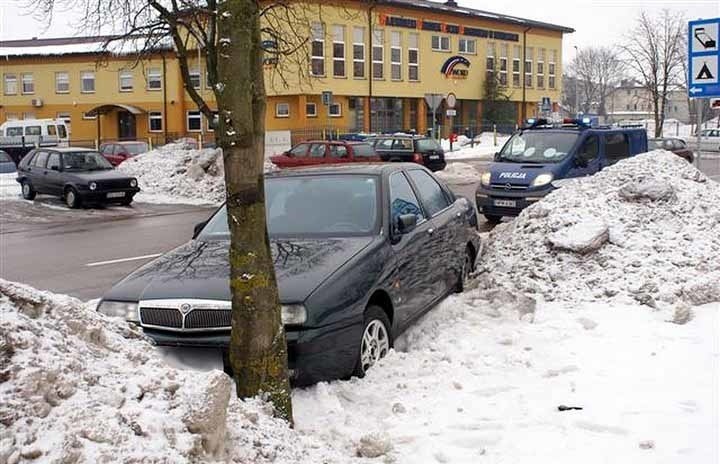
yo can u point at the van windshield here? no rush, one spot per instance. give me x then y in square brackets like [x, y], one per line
[539, 147]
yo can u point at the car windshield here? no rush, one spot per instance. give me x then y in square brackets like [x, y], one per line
[338, 206]
[85, 161]
[4, 157]
[135, 148]
[538, 147]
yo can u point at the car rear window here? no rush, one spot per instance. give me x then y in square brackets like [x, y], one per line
[363, 150]
[428, 145]
[4, 157]
[136, 148]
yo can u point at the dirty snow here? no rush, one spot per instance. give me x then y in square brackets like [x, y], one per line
[662, 244]
[179, 173]
[9, 188]
[458, 172]
[485, 146]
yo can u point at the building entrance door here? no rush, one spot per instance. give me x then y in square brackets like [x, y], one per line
[126, 125]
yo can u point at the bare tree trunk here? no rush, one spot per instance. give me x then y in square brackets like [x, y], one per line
[258, 350]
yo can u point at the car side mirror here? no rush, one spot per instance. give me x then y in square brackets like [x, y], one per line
[198, 228]
[54, 168]
[496, 156]
[406, 223]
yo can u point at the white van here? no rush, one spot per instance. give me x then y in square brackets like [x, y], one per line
[43, 132]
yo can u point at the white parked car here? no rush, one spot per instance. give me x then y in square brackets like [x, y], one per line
[709, 140]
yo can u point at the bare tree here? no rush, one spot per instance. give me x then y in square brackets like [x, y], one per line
[654, 51]
[237, 38]
[598, 70]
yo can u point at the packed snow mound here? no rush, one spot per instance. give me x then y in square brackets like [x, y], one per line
[77, 387]
[177, 172]
[646, 229]
[459, 172]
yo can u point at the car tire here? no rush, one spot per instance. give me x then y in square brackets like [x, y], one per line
[467, 269]
[28, 192]
[126, 202]
[376, 339]
[71, 198]
[492, 218]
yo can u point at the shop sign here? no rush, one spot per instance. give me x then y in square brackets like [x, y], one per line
[456, 67]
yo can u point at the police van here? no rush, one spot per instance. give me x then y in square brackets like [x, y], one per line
[538, 156]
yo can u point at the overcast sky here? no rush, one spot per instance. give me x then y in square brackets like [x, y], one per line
[595, 21]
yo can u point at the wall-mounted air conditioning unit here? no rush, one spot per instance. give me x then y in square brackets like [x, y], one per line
[36, 102]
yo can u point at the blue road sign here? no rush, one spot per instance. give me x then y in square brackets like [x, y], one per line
[703, 58]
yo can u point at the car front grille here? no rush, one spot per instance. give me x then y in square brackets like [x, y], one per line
[114, 184]
[497, 186]
[180, 315]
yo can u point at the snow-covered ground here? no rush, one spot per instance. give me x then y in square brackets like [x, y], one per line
[458, 172]
[484, 147]
[630, 259]
[9, 188]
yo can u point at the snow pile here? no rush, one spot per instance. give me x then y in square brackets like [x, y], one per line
[459, 173]
[78, 387]
[645, 230]
[9, 188]
[484, 147]
[179, 173]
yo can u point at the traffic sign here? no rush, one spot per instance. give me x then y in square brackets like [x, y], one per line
[433, 100]
[545, 105]
[451, 100]
[703, 58]
[451, 112]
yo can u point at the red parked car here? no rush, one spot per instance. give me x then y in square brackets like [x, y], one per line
[323, 152]
[117, 152]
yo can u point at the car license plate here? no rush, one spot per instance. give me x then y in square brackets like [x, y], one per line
[116, 194]
[505, 203]
[434, 157]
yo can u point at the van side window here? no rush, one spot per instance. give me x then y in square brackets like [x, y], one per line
[14, 131]
[32, 130]
[617, 147]
[52, 130]
[589, 149]
[62, 132]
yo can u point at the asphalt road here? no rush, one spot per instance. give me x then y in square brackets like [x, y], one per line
[84, 252]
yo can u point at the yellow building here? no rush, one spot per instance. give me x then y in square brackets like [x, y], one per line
[379, 59]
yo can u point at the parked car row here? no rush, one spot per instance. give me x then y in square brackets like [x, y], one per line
[392, 148]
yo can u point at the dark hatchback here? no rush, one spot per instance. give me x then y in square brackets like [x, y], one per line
[675, 145]
[77, 175]
[360, 251]
[410, 149]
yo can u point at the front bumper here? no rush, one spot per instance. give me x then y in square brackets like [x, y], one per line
[101, 196]
[314, 355]
[497, 202]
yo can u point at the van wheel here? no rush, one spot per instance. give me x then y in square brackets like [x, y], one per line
[376, 340]
[28, 192]
[71, 198]
[493, 219]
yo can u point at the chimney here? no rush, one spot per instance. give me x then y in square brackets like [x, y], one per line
[451, 3]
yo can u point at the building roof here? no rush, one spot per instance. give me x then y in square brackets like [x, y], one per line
[453, 8]
[73, 46]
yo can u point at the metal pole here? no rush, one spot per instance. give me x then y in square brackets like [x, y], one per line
[698, 114]
[434, 130]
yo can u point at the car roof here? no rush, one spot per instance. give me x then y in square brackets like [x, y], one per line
[374, 169]
[67, 149]
[343, 142]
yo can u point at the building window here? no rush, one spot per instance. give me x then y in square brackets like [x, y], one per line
[155, 121]
[282, 110]
[440, 43]
[317, 50]
[62, 82]
[467, 46]
[154, 79]
[11, 116]
[89, 116]
[517, 50]
[194, 121]
[335, 110]
[310, 110]
[10, 84]
[87, 82]
[413, 57]
[541, 68]
[529, 67]
[503, 65]
[338, 51]
[28, 85]
[490, 62]
[29, 115]
[378, 42]
[551, 69]
[126, 80]
[195, 78]
[64, 116]
[395, 56]
[359, 52]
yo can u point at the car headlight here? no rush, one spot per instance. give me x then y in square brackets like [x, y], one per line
[133, 183]
[92, 186]
[127, 310]
[542, 179]
[293, 314]
[485, 178]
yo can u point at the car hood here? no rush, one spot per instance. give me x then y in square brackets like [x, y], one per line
[88, 176]
[201, 269]
[519, 173]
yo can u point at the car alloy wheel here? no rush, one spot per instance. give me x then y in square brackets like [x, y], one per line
[375, 344]
[27, 191]
[71, 198]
